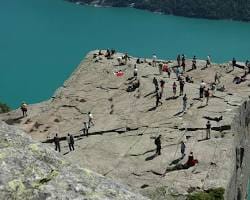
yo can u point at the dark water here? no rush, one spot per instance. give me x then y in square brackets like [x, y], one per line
[42, 41]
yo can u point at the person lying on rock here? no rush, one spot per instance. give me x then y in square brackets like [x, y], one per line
[190, 163]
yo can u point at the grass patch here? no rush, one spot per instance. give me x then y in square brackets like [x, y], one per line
[4, 108]
[212, 194]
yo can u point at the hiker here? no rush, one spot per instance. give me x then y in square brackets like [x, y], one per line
[184, 102]
[160, 68]
[24, 108]
[158, 98]
[177, 72]
[178, 60]
[85, 129]
[162, 84]
[90, 119]
[57, 143]
[158, 145]
[126, 58]
[183, 62]
[208, 129]
[165, 68]
[154, 60]
[135, 71]
[207, 94]
[155, 82]
[216, 78]
[194, 63]
[202, 87]
[183, 148]
[248, 66]
[182, 83]
[233, 63]
[174, 88]
[70, 140]
[208, 61]
[138, 61]
[190, 163]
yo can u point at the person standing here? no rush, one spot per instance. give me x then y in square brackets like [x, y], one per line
[57, 143]
[158, 145]
[183, 149]
[194, 62]
[154, 60]
[184, 103]
[90, 119]
[182, 83]
[208, 62]
[202, 87]
[207, 94]
[135, 72]
[183, 62]
[208, 130]
[178, 60]
[24, 109]
[70, 140]
[234, 63]
[174, 88]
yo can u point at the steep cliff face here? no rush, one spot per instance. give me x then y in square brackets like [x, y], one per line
[31, 170]
[213, 9]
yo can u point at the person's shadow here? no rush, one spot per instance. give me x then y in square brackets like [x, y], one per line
[176, 161]
[150, 157]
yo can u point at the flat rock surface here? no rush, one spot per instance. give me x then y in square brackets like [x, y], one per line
[121, 143]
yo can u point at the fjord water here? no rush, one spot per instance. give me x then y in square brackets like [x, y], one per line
[42, 41]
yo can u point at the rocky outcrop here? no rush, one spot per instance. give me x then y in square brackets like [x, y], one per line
[31, 170]
[212, 9]
[121, 143]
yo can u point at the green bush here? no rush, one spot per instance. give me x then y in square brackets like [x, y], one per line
[4, 108]
[212, 194]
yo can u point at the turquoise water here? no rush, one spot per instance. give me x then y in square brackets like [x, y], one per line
[42, 41]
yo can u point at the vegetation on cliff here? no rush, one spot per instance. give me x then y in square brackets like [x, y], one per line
[213, 194]
[4, 108]
[212, 9]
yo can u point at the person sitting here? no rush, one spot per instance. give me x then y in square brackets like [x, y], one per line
[189, 79]
[190, 163]
[108, 54]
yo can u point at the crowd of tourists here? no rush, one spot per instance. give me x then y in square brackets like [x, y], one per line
[180, 75]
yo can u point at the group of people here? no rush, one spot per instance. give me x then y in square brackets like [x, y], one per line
[70, 137]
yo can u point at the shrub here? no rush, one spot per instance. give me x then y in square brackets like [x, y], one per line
[4, 108]
[212, 194]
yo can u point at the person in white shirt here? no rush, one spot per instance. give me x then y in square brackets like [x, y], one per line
[90, 119]
[202, 87]
[154, 60]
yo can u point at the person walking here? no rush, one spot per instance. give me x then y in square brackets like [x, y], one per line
[184, 103]
[158, 145]
[57, 143]
[24, 109]
[208, 130]
[158, 98]
[174, 88]
[85, 129]
[70, 140]
[183, 149]
[155, 82]
[233, 63]
[162, 84]
[90, 119]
